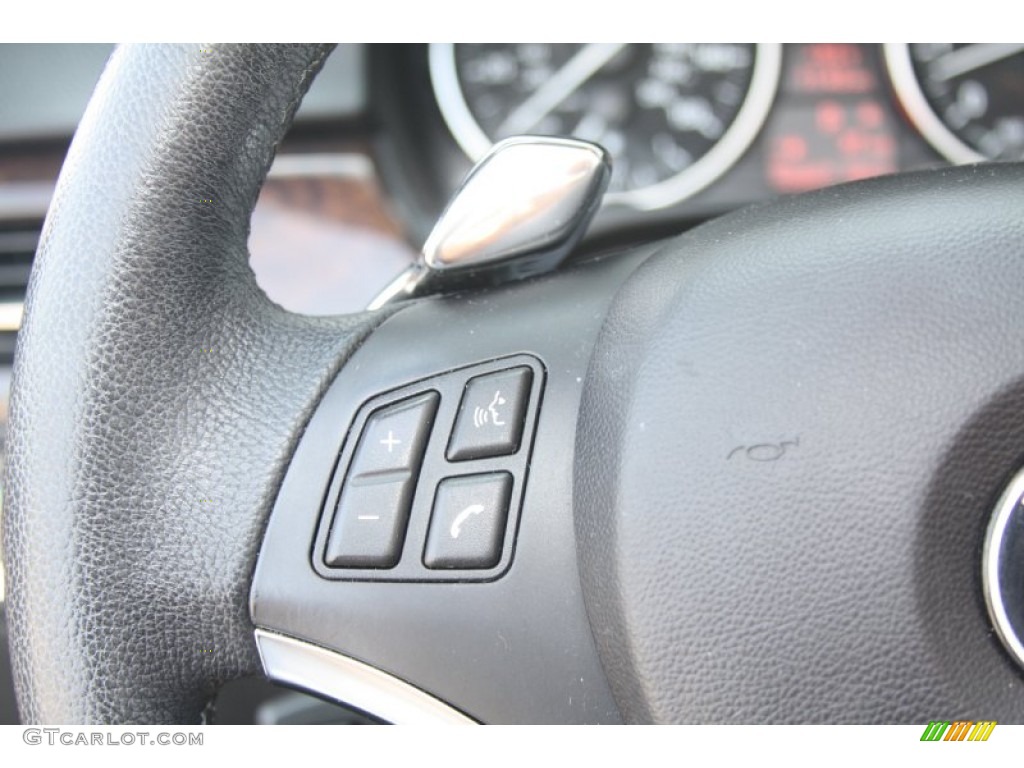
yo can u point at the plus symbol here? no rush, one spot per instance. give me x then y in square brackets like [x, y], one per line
[391, 441]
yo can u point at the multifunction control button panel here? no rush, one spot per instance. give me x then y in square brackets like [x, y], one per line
[430, 480]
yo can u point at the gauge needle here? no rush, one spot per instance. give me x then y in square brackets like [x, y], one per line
[970, 57]
[559, 87]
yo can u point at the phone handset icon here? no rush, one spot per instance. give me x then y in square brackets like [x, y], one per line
[472, 509]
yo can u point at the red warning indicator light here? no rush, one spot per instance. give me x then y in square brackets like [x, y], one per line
[832, 68]
[829, 142]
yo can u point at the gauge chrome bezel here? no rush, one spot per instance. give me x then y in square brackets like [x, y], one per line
[711, 166]
[900, 66]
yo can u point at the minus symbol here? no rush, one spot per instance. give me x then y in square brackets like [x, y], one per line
[369, 517]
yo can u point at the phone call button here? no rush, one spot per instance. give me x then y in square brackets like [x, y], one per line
[467, 525]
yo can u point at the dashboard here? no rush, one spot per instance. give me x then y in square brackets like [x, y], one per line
[388, 132]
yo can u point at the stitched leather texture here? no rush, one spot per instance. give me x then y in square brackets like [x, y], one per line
[795, 427]
[158, 394]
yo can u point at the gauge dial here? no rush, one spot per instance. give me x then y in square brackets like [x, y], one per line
[967, 99]
[674, 117]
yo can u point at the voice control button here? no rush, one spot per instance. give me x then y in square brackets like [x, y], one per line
[491, 415]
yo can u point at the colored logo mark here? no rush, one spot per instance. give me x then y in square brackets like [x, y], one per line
[958, 730]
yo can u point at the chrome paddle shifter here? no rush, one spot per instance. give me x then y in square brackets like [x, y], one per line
[519, 212]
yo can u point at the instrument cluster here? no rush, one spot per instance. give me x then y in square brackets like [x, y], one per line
[697, 129]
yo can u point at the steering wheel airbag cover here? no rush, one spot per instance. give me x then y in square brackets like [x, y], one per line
[795, 427]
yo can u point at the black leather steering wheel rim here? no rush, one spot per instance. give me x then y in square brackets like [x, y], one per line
[153, 379]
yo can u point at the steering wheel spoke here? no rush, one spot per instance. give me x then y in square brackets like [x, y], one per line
[499, 632]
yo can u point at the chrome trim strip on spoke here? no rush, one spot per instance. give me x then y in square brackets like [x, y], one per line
[990, 567]
[347, 681]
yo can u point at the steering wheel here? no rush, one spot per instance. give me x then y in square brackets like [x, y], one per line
[748, 475]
